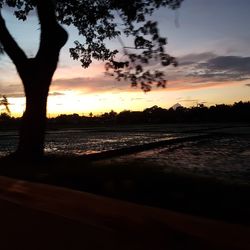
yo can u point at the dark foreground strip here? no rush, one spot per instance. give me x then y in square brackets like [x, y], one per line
[39, 216]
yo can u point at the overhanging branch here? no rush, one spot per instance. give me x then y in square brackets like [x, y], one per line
[10, 46]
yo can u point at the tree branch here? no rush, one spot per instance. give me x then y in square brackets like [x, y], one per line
[53, 36]
[46, 14]
[10, 46]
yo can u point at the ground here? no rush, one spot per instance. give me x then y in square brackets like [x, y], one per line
[38, 216]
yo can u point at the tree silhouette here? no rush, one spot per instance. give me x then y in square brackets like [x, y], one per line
[97, 21]
[5, 103]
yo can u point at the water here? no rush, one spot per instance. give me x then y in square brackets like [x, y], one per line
[87, 141]
[223, 157]
[8, 142]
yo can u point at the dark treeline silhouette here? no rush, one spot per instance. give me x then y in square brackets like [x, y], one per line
[238, 112]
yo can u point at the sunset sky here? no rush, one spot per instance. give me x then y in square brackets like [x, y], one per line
[211, 40]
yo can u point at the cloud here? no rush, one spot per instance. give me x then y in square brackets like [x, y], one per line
[188, 100]
[16, 91]
[229, 63]
[11, 90]
[195, 58]
[194, 71]
[208, 69]
[224, 68]
[136, 99]
[90, 84]
[191, 101]
[56, 94]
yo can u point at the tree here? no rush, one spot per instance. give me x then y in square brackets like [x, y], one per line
[4, 102]
[96, 22]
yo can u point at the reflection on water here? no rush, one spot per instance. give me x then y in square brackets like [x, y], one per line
[225, 157]
[8, 142]
[85, 141]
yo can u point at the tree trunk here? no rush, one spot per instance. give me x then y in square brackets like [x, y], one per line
[36, 74]
[32, 131]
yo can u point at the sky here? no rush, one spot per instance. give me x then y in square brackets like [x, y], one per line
[211, 40]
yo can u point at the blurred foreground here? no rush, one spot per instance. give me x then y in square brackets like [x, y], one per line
[36, 216]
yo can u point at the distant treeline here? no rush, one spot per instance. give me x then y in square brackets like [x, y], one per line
[238, 112]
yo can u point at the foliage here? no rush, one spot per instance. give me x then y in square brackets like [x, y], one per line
[238, 112]
[4, 102]
[101, 20]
